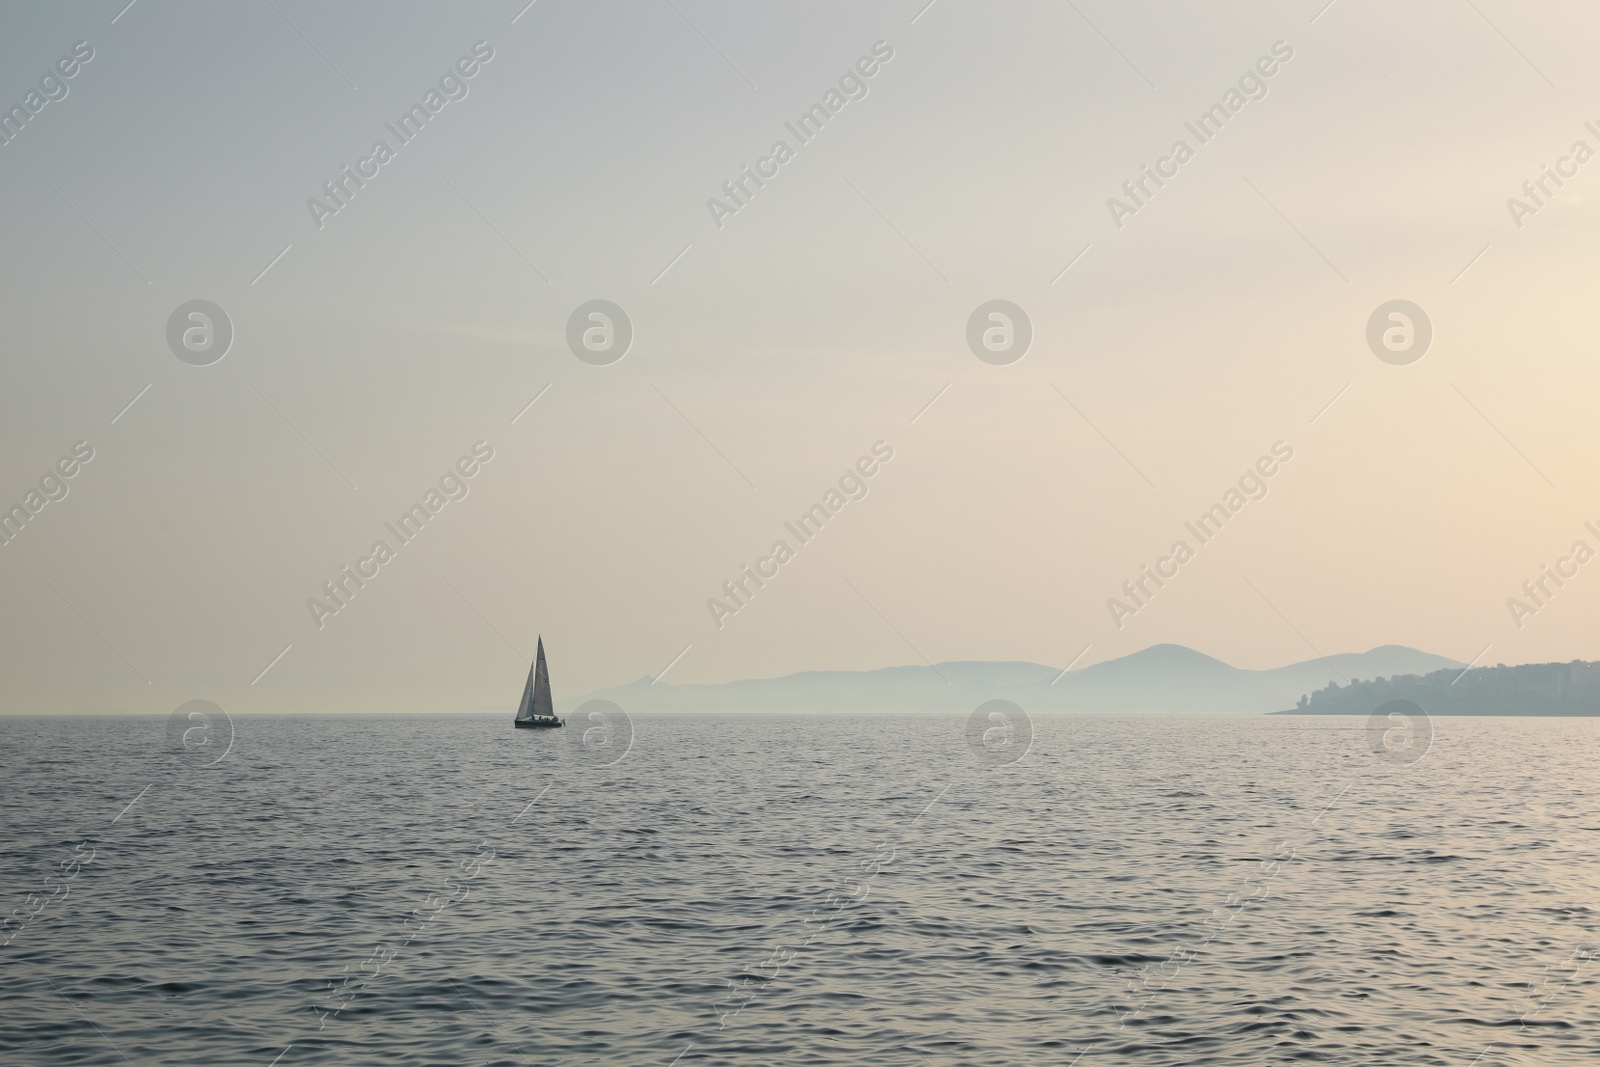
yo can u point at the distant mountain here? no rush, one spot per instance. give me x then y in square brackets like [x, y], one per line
[1528, 689]
[1162, 678]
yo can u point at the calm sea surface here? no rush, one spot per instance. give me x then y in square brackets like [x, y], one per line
[799, 890]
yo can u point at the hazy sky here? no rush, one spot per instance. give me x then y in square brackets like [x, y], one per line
[771, 352]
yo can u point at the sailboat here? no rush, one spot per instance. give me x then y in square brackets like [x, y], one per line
[536, 711]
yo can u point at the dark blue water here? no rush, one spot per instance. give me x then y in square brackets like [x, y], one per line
[445, 890]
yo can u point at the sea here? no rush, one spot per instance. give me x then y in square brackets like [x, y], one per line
[792, 889]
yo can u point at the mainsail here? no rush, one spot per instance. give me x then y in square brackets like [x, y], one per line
[536, 694]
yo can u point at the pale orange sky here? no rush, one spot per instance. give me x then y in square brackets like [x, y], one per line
[772, 352]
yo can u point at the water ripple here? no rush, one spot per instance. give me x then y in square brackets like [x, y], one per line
[800, 890]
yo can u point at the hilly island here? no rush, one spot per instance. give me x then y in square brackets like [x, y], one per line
[1162, 679]
[1528, 689]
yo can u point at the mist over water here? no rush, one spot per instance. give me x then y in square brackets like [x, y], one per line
[801, 890]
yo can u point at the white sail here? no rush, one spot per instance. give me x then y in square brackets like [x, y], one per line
[536, 693]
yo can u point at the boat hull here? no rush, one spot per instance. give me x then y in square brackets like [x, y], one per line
[540, 723]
